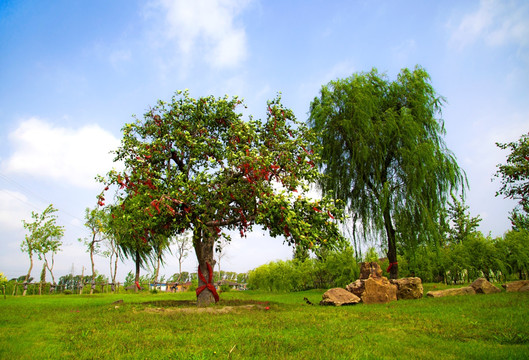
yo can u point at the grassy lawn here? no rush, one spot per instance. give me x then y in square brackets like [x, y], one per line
[168, 326]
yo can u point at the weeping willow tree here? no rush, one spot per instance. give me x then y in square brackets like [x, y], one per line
[384, 155]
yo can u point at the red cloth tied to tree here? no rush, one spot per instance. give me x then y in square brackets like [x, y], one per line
[209, 284]
[391, 265]
[138, 285]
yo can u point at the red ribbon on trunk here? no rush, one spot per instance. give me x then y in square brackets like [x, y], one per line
[138, 285]
[391, 265]
[209, 284]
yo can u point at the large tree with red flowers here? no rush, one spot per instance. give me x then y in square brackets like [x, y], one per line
[195, 164]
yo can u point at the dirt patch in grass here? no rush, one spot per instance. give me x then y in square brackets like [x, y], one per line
[189, 306]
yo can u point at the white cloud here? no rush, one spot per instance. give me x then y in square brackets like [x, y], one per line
[14, 206]
[496, 22]
[74, 156]
[206, 27]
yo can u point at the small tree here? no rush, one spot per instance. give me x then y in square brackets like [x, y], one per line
[221, 253]
[183, 245]
[43, 237]
[194, 164]
[514, 176]
[463, 225]
[96, 222]
[111, 252]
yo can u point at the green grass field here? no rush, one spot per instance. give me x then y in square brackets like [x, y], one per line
[169, 326]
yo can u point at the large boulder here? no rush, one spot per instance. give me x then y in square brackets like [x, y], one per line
[408, 288]
[517, 286]
[379, 291]
[370, 269]
[483, 286]
[339, 297]
[372, 287]
[467, 290]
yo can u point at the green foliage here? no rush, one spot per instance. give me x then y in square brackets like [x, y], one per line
[463, 225]
[371, 255]
[43, 233]
[3, 279]
[514, 250]
[337, 269]
[383, 153]
[514, 177]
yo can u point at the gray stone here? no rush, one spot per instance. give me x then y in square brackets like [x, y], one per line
[370, 269]
[379, 291]
[517, 286]
[483, 286]
[467, 290]
[408, 288]
[339, 297]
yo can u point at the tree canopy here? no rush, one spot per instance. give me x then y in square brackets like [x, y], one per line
[384, 155]
[514, 175]
[195, 164]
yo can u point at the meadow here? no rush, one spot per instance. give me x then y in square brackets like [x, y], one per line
[262, 325]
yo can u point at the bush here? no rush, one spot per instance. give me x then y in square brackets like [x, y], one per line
[67, 292]
[335, 269]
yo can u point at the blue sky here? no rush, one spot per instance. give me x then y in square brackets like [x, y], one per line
[73, 73]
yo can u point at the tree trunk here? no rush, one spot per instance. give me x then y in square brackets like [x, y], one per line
[137, 278]
[42, 277]
[157, 271]
[29, 274]
[392, 246]
[50, 269]
[204, 249]
[93, 266]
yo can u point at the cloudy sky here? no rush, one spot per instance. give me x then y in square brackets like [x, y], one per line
[72, 73]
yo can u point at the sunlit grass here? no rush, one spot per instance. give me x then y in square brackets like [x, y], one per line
[168, 326]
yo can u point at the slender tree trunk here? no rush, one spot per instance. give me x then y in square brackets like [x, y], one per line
[157, 271]
[42, 276]
[392, 245]
[93, 284]
[137, 278]
[50, 269]
[29, 274]
[204, 245]
[115, 271]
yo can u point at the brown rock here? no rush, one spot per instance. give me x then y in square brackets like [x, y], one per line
[468, 290]
[379, 290]
[408, 288]
[483, 286]
[356, 287]
[370, 269]
[517, 286]
[339, 297]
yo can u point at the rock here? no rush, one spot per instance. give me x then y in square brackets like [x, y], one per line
[370, 269]
[379, 291]
[483, 286]
[517, 286]
[468, 290]
[339, 297]
[356, 287]
[408, 288]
